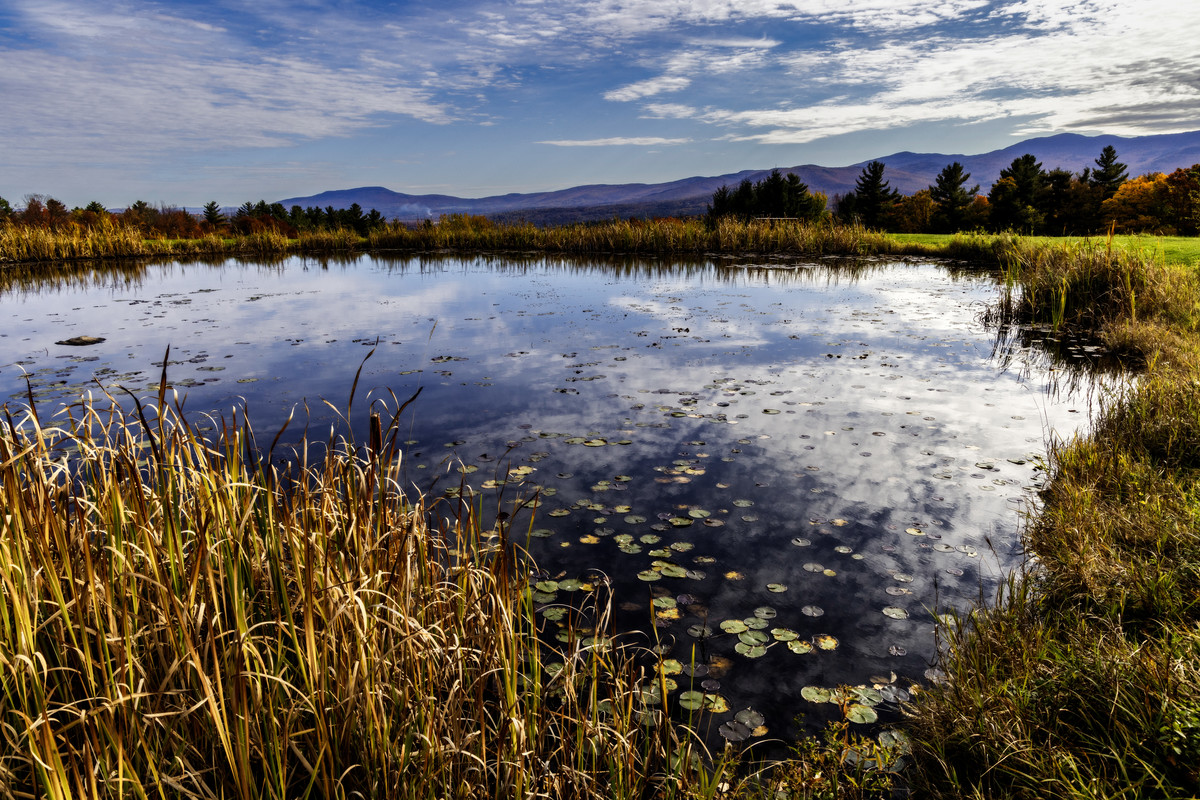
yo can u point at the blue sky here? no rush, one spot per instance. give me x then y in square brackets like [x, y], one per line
[185, 102]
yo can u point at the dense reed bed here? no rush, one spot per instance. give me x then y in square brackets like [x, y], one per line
[180, 623]
[182, 619]
[478, 234]
[1082, 680]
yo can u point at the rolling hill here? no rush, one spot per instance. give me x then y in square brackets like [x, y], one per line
[907, 172]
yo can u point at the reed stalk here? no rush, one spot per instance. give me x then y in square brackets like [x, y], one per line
[182, 620]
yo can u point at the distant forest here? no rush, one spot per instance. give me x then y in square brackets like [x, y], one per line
[1027, 199]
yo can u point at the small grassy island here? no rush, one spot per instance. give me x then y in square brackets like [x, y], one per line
[183, 617]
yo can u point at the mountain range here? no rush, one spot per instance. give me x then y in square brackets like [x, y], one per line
[906, 172]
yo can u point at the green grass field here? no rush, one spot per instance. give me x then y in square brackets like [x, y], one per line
[1174, 249]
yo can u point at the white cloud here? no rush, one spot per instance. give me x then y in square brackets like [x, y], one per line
[646, 141]
[1089, 62]
[668, 111]
[124, 85]
[648, 88]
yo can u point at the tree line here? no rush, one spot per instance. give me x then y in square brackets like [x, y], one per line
[169, 222]
[1025, 198]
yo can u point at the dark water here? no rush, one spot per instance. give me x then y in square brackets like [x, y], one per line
[843, 444]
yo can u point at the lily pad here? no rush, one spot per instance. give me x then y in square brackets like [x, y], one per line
[749, 717]
[671, 666]
[649, 575]
[749, 650]
[812, 611]
[733, 626]
[895, 612]
[815, 694]
[868, 696]
[825, 642]
[734, 731]
[777, 588]
[753, 638]
[691, 700]
[715, 703]
[861, 714]
[800, 646]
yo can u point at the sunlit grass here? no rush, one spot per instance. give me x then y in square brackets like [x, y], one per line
[1083, 679]
[190, 617]
[179, 618]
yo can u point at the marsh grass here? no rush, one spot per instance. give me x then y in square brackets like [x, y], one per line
[195, 617]
[108, 239]
[1082, 679]
[182, 621]
[465, 233]
[1139, 307]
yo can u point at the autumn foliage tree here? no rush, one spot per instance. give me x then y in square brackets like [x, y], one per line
[1139, 205]
[1183, 200]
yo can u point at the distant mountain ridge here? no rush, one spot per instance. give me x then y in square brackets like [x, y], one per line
[907, 172]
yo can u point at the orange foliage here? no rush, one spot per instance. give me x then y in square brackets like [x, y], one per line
[1140, 205]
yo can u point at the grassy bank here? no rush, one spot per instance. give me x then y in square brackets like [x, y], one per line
[1083, 680]
[1183, 250]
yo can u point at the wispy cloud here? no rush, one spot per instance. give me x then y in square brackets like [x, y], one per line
[157, 83]
[645, 141]
[648, 88]
[153, 82]
[1067, 65]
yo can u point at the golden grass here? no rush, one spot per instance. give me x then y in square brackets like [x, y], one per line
[180, 621]
[463, 233]
[185, 617]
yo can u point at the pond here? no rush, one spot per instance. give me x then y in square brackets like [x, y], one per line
[785, 469]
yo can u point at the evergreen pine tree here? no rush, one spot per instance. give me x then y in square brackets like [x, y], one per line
[1109, 173]
[873, 196]
[951, 198]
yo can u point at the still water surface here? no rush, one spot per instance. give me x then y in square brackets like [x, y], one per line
[843, 448]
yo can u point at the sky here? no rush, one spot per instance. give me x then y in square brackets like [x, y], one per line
[181, 103]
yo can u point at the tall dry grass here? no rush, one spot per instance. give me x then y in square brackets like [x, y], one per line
[181, 620]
